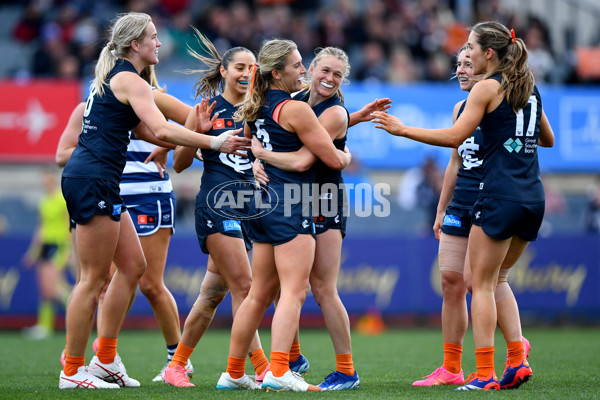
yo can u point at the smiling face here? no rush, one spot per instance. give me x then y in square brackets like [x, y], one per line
[236, 74]
[464, 72]
[479, 57]
[148, 46]
[327, 76]
[291, 76]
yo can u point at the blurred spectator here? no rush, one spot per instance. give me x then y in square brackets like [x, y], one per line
[591, 215]
[402, 68]
[541, 61]
[186, 204]
[556, 205]
[428, 31]
[52, 50]
[28, 27]
[373, 67]
[180, 34]
[420, 188]
[4, 225]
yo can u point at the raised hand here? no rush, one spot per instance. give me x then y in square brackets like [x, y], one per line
[204, 122]
[385, 121]
[366, 113]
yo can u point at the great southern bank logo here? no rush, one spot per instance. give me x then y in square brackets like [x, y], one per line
[242, 200]
[513, 145]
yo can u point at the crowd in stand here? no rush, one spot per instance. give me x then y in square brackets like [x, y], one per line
[388, 40]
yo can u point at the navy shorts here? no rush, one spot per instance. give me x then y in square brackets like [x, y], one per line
[457, 221]
[502, 219]
[282, 224]
[150, 217]
[209, 222]
[333, 211]
[86, 197]
[323, 224]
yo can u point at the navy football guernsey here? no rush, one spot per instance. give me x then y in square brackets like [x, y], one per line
[274, 137]
[324, 173]
[102, 148]
[469, 174]
[511, 169]
[221, 168]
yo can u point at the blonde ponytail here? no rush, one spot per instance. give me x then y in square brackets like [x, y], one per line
[126, 28]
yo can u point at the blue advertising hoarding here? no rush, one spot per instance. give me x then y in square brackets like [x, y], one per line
[555, 276]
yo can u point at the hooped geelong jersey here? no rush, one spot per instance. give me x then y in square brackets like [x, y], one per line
[221, 168]
[274, 137]
[469, 174]
[141, 183]
[511, 169]
[102, 148]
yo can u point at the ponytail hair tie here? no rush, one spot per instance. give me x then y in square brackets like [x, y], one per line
[252, 74]
[512, 33]
[111, 46]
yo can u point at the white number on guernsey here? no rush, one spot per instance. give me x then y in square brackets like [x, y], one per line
[262, 134]
[531, 125]
[90, 101]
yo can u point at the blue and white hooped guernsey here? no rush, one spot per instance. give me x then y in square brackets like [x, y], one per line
[141, 183]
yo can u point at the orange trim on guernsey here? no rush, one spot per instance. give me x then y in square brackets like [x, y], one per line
[278, 110]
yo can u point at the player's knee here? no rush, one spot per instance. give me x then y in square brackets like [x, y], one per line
[322, 291]
[503, 291]
[453, 286]
[151, 290]
[302, 292]
[241, 287]
[207, 302]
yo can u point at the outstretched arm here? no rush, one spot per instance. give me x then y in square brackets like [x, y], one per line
[130, 88]
[480, 96]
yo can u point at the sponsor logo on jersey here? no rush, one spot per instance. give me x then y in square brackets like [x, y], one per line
[513, 145]
[451, 220]
[231, 225]
[478, 215]
[209, 223]
[117, 209]
[166, 217]
[224, 123]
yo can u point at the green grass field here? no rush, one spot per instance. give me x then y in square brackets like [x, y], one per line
[565, 362]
